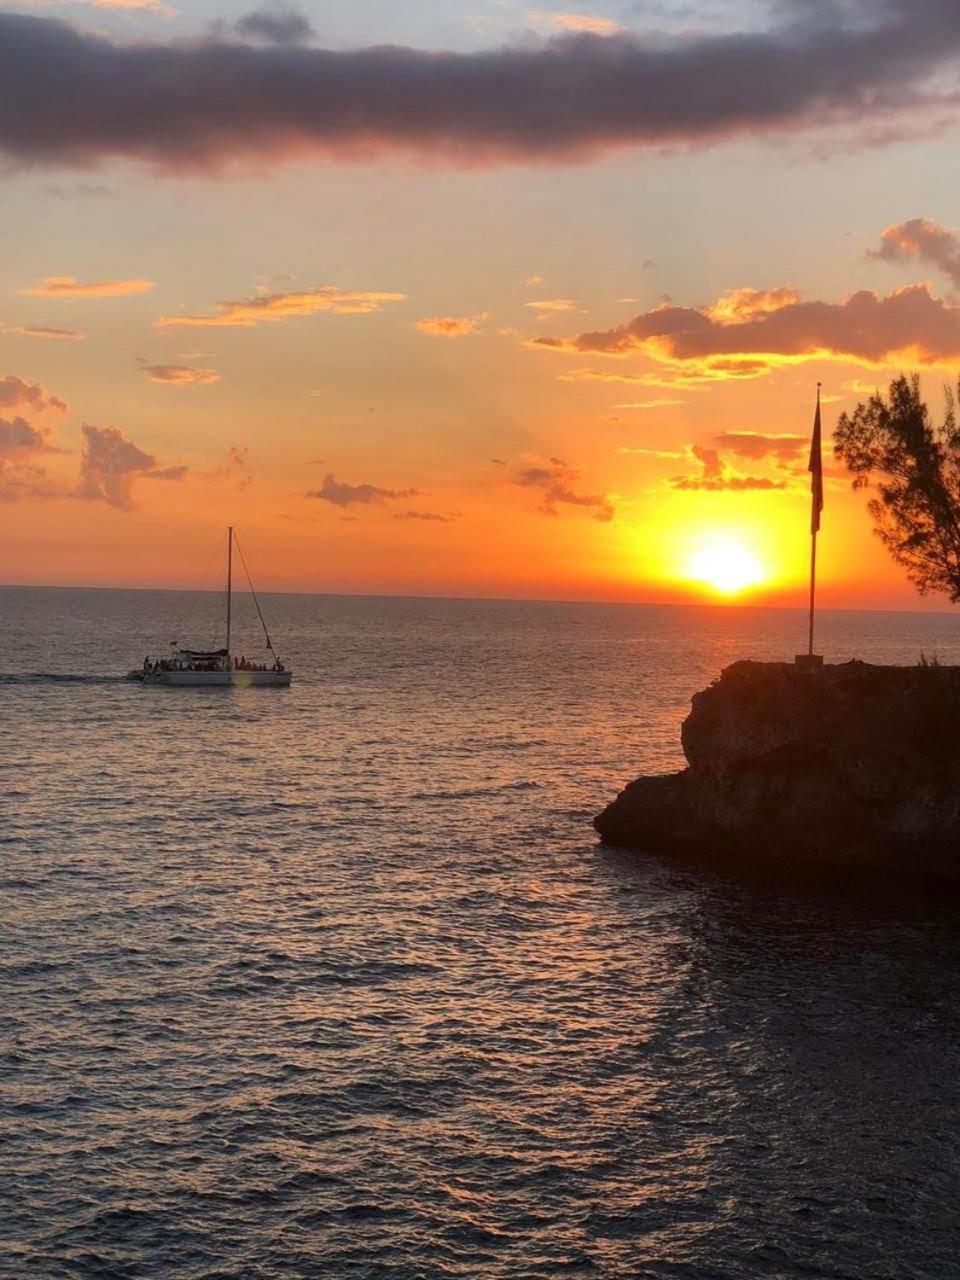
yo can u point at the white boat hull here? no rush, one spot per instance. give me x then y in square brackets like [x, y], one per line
[234, 679]
[216, 668]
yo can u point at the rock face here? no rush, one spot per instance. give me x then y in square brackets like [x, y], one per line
[842, 765]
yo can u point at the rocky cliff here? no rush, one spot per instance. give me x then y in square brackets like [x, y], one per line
[841, 765]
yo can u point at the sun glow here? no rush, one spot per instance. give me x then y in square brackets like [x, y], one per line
[726, 565]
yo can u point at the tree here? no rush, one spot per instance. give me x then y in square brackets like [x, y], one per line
[915, 468]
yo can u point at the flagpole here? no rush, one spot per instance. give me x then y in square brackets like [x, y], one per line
[813, 586]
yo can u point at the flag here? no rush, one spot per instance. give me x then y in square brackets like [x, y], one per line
[815, 467]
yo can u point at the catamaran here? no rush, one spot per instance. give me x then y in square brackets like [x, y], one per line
[218, 666]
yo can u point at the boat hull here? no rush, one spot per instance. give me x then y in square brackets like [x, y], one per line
[212, 679]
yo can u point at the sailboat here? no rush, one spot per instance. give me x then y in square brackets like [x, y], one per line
[218, 666]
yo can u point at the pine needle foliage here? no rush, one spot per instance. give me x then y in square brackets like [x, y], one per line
[890, 443]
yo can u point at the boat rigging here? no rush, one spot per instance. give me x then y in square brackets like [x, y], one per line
[209, 667]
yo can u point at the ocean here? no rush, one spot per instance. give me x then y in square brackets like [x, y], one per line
[336, 981]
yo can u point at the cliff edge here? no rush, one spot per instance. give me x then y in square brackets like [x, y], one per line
[839, 765]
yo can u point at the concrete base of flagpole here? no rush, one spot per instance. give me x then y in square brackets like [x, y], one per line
[809, 661]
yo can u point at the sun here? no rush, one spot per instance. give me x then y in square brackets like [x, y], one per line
[726, 565]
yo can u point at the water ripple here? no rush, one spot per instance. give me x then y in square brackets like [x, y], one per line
[339, 984]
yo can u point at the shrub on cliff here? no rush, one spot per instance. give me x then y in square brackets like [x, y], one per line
[915, 466]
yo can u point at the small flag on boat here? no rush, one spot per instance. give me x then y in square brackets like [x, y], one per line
[815, 467]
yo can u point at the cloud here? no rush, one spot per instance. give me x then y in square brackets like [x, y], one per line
[42, 331]
[15, 393]
[111, 464]
[140, 6]
[910, 323]
[181, 375]
[580, 22]
[749, 304]
[688, 377]
[279, 24]
[859, 387]
[756, 445]
[532, 282]
[248, 312]
[673, 454]
[647, 404]
[22, 443]
[555, 480]
[433, 517]
[714, 475]
[235, 469]
[19, 438]
[21, 476]
[451, 326]
[238, 466]
[923, 240]
[553, 304]
[68, 287]
[75, 97]
[341, 494]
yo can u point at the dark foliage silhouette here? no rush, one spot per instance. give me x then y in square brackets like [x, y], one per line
[890, 443]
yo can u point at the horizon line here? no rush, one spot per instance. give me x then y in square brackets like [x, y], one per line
[461, 599]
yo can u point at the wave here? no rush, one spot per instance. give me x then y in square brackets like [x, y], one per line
[59, 677]
[471, 793]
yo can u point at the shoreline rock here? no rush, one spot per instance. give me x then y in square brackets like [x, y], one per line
[843, 767]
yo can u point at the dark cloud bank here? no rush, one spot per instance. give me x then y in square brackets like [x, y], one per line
[77, 98]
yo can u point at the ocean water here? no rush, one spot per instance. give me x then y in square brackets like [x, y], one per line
[336, 981]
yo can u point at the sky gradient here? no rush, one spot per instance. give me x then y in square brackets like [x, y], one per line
[465, 298]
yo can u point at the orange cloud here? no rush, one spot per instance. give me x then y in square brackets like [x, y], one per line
[553, 304]
[691, 376]
[715, 475]
[748, 304]
[451, 326]
[922, 239]
[858, 387]
[757, 445]
[647, 404]
[42, 331]
[68, 287]
[247, 312]
[142, 6]
[181, 375]
[908, 324]
[581, 22]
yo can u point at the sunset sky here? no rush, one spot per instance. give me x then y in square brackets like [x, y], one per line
[465, 297]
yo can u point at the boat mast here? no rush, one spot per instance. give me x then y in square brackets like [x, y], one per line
[229, 581]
